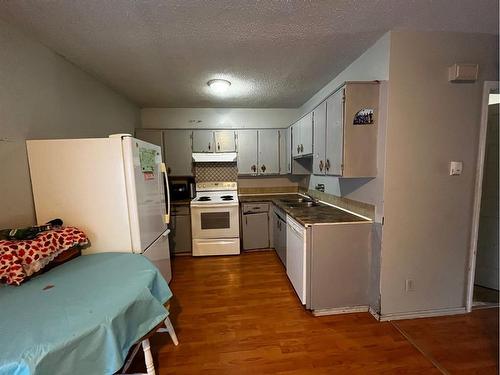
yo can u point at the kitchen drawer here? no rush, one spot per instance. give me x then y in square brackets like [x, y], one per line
[180, 209]
[255, 207]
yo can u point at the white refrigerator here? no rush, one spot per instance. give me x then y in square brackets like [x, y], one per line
[111, 188]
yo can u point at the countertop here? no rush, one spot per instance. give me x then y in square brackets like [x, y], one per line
[321, 214]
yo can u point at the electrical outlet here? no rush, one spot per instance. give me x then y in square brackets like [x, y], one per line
[410, 285]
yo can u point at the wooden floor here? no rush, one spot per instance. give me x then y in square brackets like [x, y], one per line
[239, 315]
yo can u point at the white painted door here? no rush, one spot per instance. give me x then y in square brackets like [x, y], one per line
[296, 258]
[177, 152]
[288, 134]
[145, 192]
[247, 152]
[284, 151]
[295, 133]
[225, 141]
[319, 144]
[203, 141]
[306, 135]
[335, 133]
[268, 145]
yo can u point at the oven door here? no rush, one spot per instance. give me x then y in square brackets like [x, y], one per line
[215, 221]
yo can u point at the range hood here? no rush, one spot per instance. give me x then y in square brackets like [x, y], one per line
[214, 157]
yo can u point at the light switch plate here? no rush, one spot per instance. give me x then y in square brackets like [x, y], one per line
[456, 168]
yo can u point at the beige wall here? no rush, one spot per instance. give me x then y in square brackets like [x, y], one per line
[428, 213]
[44, 96]
[217, 117]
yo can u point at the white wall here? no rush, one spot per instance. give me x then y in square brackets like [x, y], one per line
[217, 117]
[44, 96]
[373, 64]
[428, 214]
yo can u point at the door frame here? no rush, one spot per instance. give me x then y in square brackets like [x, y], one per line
[487, 88]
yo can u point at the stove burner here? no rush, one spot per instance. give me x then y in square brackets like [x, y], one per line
[227, 198]
[204, 199]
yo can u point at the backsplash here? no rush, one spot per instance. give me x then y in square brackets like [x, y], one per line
[361, 208]
[210, 172]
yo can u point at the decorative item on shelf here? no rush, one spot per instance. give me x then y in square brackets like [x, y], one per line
[363, 117]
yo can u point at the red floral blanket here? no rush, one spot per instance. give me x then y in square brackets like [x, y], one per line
[21, 259]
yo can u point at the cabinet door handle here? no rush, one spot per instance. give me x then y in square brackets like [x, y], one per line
[327, 164]
[298, 149]
[301, 148]
[209, 146]
[321, 165]
[253, 168]
[263, 168]
[218, 146]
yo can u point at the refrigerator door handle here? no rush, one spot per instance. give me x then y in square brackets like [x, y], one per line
[166, 218]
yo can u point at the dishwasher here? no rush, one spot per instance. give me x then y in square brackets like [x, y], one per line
[255, 225]
[279, 233]
[296, 257]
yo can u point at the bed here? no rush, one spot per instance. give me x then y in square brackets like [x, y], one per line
[82, 317]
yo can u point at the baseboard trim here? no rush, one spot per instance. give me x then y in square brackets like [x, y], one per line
[422, 314]
[340, 310]
[374, 313]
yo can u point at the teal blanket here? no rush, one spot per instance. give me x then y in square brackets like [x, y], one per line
[81, 317]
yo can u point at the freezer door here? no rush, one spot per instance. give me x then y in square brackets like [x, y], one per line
[145, 192]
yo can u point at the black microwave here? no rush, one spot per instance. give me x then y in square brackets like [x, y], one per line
[182, 189]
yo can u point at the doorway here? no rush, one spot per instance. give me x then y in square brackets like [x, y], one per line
[483, 288]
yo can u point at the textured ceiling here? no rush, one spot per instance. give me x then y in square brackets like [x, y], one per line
[276, 53]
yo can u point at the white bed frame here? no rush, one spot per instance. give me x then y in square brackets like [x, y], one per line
[148, 358]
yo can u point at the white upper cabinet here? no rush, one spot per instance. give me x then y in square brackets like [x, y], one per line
[258, 152]
[177, 149]
[302, 137]
[306, 135]
[285, 151]
[175, 146]
[350, 132]
[334, 134]
[203, 141]
[225, 141]
[295, 133]
[268, 152]
[247, 152]
[214, 141]
[319, 129]
[154, 136]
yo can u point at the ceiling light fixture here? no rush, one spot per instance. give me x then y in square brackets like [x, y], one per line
[218, 86]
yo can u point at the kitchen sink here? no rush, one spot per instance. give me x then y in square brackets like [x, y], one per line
[299, 202]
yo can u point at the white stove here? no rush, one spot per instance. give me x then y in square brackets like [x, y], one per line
[215, 219]
[209, 193]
